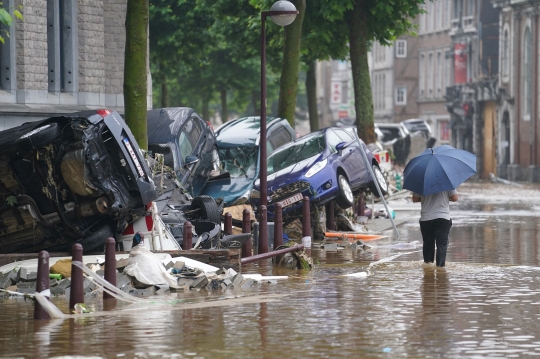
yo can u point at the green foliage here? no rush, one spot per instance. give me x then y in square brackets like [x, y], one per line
[11, 200]
[199, 48]
[7, 19]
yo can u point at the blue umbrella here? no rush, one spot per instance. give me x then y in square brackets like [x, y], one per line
[438, 169]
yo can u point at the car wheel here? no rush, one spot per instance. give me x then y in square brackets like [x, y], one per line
[208, 208]
[39, 137]
[345, 198]
[383, 185]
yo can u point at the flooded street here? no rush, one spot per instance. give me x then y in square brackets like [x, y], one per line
[485, 303]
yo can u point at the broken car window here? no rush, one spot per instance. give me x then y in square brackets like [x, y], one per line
[240, 161]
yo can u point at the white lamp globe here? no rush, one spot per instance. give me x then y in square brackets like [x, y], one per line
[283, 20]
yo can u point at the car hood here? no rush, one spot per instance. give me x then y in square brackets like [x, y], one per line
[297, 170]
[228, 189]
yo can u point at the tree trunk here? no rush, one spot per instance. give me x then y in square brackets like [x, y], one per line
[164, 91]
[311, 90]
[224, 111]
[291, 65]
[135, 65]
[358, 40]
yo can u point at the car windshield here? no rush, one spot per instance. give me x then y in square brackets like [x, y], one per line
[299, 151]
[240, 161]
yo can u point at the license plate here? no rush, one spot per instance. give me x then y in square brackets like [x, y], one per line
[288, 201]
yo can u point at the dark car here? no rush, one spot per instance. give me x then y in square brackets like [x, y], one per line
[238, 144]
[71, 178]
[324, 165]
[187, 143]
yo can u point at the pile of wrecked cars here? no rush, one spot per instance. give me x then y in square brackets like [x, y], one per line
[81, 178]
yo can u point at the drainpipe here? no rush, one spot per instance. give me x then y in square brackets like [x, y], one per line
[534, 115]
[517, 83]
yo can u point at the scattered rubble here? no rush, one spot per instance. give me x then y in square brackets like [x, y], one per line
[174, 274]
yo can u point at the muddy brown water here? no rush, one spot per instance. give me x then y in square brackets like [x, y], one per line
[486, 303]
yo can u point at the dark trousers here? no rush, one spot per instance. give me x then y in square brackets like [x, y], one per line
[435, 232]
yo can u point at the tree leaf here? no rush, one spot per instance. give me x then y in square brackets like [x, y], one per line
[11, 200]
[5, 17]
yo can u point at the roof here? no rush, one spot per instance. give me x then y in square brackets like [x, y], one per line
[243, 131]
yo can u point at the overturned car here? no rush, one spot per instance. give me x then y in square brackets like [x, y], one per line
[71, 178]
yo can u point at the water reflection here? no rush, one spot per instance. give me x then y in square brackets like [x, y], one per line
[478, 306]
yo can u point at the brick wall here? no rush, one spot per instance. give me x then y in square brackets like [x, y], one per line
[115, 41]
[91, 46]
[31, 43]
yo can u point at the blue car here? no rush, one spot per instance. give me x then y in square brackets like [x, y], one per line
[324, 165]
[238, 146]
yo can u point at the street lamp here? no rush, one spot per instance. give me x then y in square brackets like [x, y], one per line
[282, 13]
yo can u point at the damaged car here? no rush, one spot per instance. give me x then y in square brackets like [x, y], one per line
[325, 165]
[70, 178]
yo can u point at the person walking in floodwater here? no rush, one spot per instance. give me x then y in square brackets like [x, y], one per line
[435, 224]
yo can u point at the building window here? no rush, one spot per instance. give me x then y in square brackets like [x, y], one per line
[401, 48]
[430, 14]
[457, 9]
[505, 63]
[61, 25]
[421, 76]
[430, 76]
[7, 53]
[447, 72]
[447, 13]
[438, 75]
[401, 95]
[527, 74]
[470, 7]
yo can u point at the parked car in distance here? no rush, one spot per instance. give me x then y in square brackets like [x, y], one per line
[391, 131]
[397, 137]
[418, 125]
[70, 178]
[188, 144]
[324, 165]
[238, 145]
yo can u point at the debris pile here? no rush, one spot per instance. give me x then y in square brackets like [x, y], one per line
[143, 274]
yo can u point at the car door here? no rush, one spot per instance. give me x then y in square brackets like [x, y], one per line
[346, 157]
[336, 158]
[354, 158]
[189, 144]
[204, 141]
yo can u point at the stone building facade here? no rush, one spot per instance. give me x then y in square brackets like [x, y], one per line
[64, 56]
[518, 92]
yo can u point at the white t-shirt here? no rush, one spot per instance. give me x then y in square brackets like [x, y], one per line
[436, 205]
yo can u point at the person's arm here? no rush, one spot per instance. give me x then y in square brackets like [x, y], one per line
[415, 198]
[452, 198]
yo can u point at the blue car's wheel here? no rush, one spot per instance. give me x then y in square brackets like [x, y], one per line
[345, 198]
[379, 177]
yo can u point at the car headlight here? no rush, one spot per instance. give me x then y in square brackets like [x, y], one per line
[317, 167]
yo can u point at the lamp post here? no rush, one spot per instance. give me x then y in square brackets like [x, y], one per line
[282, 13]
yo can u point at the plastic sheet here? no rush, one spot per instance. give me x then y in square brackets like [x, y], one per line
[147, 268]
